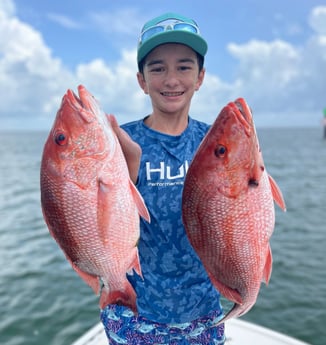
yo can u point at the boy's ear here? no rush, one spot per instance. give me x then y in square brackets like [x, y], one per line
[142, 82]
[200, 79]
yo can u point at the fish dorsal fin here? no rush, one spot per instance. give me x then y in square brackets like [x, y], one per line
[277, 194]
[139, 201]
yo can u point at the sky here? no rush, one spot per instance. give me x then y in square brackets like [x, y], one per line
[272, 53]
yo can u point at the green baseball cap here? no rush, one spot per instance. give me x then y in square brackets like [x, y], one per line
[170, 28]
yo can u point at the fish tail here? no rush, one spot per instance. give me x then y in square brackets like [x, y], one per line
[126, 297]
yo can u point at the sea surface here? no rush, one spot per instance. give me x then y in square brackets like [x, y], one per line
[43, 301]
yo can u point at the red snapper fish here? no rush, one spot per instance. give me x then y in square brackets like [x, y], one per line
[89, 203]
[228, 208]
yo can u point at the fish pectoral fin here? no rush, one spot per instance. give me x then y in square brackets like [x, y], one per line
[229, 293]
[104, 216]
[268, 266]
[232, 295]
[277, 194]
[139, 201]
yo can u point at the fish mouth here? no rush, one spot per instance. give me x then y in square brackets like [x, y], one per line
[81, 105]
[73, 98]
[244, 115]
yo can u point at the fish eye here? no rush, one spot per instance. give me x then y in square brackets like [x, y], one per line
[220, 151]
[60, 138]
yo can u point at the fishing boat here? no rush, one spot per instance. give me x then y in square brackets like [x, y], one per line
[238, 332]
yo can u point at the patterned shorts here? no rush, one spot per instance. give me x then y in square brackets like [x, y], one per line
[123, 327]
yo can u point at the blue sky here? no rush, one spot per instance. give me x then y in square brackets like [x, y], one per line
[273, 53]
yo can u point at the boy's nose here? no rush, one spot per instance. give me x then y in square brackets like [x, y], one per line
[171, 79]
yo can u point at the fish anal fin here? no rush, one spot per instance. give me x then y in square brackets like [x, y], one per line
[92, 280]
[277, 194]
[229, 293]
[104, 189]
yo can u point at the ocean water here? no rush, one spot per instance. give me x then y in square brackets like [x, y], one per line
[43, 301]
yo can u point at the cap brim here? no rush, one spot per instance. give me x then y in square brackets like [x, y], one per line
[190, 39]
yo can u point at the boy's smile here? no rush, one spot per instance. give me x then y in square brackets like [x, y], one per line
[171, 94]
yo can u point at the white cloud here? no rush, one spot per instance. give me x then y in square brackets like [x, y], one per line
[284, 26]
[64, 21]
[317, 19]
[275, 77]
[266, 70]
[124, 21]
[7, 8]
[211, 98]
[283, 83]
[34, 81]
[116, 87]
[30, 77]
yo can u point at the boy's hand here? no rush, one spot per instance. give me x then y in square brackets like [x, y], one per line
[130, 148]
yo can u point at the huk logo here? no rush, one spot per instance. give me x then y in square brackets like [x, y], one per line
[164, 172]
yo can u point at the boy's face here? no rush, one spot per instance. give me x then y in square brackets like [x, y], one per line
[171, 76]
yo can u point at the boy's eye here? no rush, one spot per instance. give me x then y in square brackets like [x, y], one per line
[157, 69]
[184, 68]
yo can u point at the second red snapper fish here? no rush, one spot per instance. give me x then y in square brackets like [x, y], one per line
[228, 208]
[89, 203]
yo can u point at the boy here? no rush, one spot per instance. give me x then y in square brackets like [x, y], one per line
[176, 301]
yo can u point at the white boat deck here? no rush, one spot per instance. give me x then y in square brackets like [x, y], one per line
[238, 333]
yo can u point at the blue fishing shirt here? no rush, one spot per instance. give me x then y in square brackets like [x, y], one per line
[175, 287]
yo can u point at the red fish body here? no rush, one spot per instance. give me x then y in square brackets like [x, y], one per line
[89, 203]
[228, 208]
